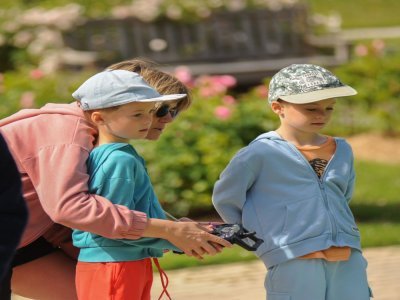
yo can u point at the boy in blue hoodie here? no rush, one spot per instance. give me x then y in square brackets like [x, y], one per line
[292, 186]
[122, 105]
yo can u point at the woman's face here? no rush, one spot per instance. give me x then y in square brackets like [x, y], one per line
[167, 113]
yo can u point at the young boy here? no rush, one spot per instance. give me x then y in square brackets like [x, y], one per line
[292, 186]
[121, 104]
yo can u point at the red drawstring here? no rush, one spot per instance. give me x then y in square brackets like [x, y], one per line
[162, 275]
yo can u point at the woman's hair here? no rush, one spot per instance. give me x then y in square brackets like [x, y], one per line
[163, 82]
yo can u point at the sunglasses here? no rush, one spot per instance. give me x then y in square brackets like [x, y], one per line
[165, 110]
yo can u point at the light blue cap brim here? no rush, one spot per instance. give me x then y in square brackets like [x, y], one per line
[118, 87]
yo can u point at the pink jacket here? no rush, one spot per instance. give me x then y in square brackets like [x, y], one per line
[50, 146]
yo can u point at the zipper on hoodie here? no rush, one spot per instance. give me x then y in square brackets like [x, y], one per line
[321, 187]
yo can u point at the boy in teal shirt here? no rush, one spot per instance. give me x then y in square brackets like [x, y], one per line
[121, 104]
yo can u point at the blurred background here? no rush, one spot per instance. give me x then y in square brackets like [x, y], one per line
[225, 51]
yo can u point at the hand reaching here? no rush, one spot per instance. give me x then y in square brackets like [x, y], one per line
[194, 239]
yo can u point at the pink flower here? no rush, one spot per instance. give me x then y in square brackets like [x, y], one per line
[27, 100]
[226, 80]
[207, 92]
[183, 74]
[361, 50]
[262, 91]
[228, 100]
[378, 45]
[36, 74]
[204, 80]
[222, 112]
[210, 86]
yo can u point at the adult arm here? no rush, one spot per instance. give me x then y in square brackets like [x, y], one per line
[61, 183]
[60, 178]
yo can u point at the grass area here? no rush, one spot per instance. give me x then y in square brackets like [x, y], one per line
[376, 206]
[378, 234]
[360, 13]
[376, 183]
[376, 197]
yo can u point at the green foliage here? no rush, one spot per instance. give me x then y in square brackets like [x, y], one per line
[360, 13]
[374, 234]
[375, 107]
[91, 7]
[29, 87]
[185, 10]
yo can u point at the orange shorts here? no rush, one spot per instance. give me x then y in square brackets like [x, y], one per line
[114, 280]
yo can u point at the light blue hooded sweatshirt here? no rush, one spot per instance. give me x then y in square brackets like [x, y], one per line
[118, 173]
[271, 188]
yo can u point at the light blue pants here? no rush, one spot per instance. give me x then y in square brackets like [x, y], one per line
[318, 279]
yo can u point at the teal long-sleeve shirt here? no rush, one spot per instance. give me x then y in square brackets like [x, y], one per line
[117, 172]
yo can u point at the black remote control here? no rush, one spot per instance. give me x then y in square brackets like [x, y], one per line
[237, 234]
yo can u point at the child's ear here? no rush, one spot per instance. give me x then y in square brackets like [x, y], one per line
[277, 108]
[97, 118]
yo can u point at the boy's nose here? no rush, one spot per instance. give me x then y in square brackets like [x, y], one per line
[148, 120]
[322, 113]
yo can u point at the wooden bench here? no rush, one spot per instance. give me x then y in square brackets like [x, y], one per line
[247, 44]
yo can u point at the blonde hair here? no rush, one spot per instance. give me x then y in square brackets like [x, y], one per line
[163, 82]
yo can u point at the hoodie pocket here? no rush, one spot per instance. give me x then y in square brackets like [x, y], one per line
[304, 219]
[267, 223]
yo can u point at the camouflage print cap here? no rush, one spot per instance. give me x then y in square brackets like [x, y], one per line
[305, 83]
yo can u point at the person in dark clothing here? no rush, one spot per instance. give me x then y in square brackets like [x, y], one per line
[13, 215]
